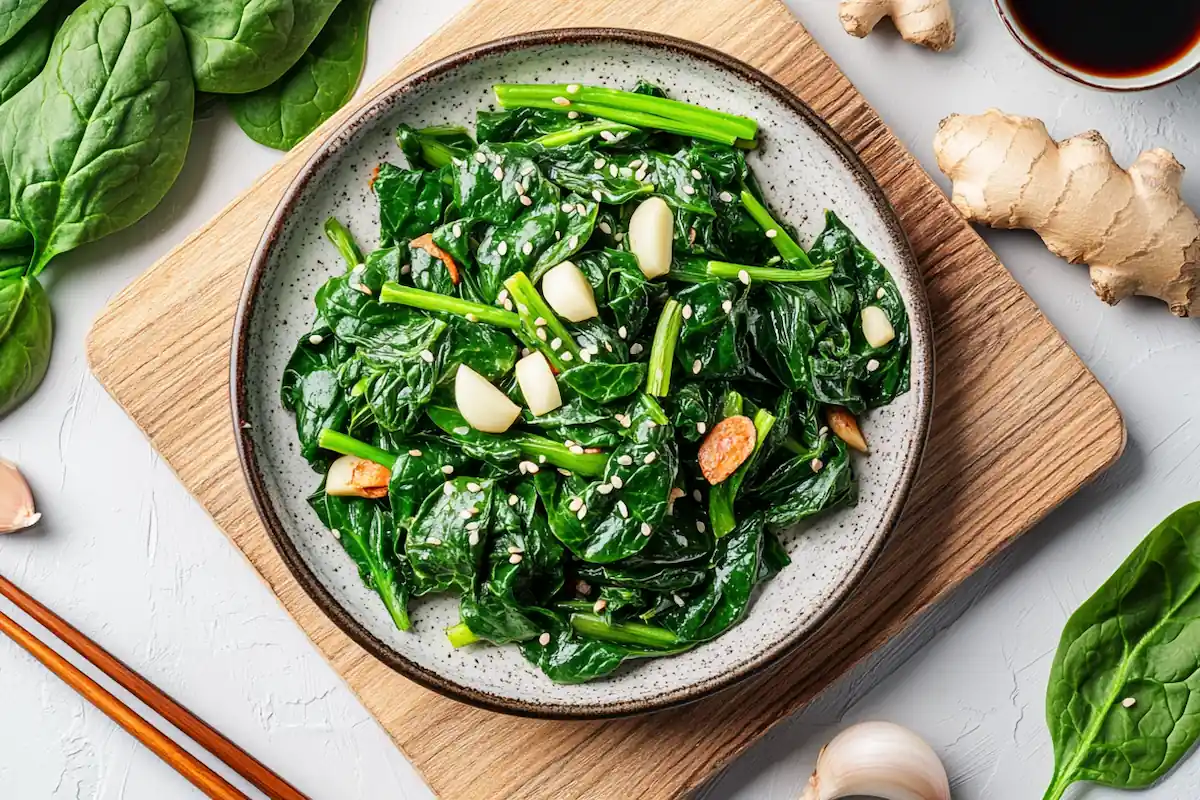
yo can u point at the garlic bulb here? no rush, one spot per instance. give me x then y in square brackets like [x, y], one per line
[652, 237]
[16, 500]
[878, 759]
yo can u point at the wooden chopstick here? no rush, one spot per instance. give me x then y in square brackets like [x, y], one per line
[261, 776]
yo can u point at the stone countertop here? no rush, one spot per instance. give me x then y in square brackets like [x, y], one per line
[133, 561]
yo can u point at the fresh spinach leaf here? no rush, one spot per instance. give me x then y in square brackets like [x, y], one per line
[604, 383]
[445, 544]
[1122, 689]
[410, 203]
[713, 343]
[321, 82]
[311, 390]
[97, 139]
[26, 334]
[420, 468]
[16, 15]
[22, 57]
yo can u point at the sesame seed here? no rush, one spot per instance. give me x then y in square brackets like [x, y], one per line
[726, 197]
[566, 357]
[473, 538]
[568, 443]
[600, 605]
[474, 487]
[525, 201]
[689, 189]
[575, 503]
[635, 348]
[619, 236]
[586, 356]
[697, 174]
[640, 175]
[433, 540]
[597, 195]
[515, 558]
[582, 512]
[572, 115]
[626, 172]
[696, 367]
[607, 346]
[527, 248]
[677, 600]
[465, 514]
[675, 494]
[646, 529]
[521, 307]
[561, 101]
[566, 473]
[508, 306]
[513, 499]
[583, 587]
[448, 469]
[1128, 702]
[462, 430]
[473, 510]
[817, 464]
[604, 488]
[525, 351]
[502, 248]
[336, 533]
[649, 459]
[540, 321]
[616, 481]
[623, 509]
[696, 495]
[472, 526]
[624, 461]
[315, 339]
[480, 157]
[622, 332]
[603, 226]
[576, 449]
[518, 187]
[637, 162]
[700, 526]
[533, 468]
[447, 488]
[624, 420]
[498, 173]
[701, 427]
[541, 459]
[687, 311]
[614, 170]
[541, 334]
[471, 317]
[872, 365]
[503, 295]
[880, 293]
[407, 268]
[567, 208]
[608, 136]
[599, 163]
[727, 306]
[512, 548]
[573, 242]
[581, 208]
[544, 639]
[362, 287]
[414, 453]
[555, 343]
[427, 356]
[824, 430]
[744, 276]
[772, 233]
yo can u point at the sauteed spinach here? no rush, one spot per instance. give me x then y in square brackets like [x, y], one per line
[598, 466]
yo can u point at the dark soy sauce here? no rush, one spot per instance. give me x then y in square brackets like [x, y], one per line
[1112, 38]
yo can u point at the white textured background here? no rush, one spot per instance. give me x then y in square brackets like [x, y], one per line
[132, 560]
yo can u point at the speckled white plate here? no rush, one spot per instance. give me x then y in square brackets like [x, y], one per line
[804, 168]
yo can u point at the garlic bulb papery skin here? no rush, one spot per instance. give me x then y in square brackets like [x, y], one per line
[878, 759]
[16, 500]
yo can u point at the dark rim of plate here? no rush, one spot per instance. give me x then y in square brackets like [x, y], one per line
[919, 318]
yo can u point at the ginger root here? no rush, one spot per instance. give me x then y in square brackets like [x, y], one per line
[1132, 227]
[929, 23]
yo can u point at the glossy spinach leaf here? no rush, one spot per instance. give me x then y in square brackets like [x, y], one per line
[26, 334]
[569, 658]
[81, 163]
[364, 527]
[795, 491]
[410, 203]
[497, 451]
[486, 185]
[446, 542]
[16, 15]
[420, 468]
[240, 46]
[579, 420]
[1122, 690]
[604, 383]
[713, 343]
[321, 82]
[435, 147]
[489, 351]
[622, 292]
[520, 125]
[311, 390]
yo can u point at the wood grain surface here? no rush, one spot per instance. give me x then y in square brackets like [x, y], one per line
[1019, 425]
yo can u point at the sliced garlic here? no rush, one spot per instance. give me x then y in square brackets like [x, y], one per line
[878, 759]
[652, 237]
[483, 406]
[877, 328]
[569, 293]
[538, 384]
[16, 500]
[351, 476]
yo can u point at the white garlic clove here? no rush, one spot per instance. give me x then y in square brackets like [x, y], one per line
[878, 759]
[538, 384]
[351, 476]
[483, 406]
[877, 328]
[16, 500]
[569, 293]
[652, 237]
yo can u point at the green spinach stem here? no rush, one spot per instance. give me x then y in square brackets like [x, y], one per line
[662, 351]
[460, 635]
[338, 442]
[588, 464]
[542, 327]
[784, 243]
[728, 271]
[628, 633]
[343, 240]
[723, 495]
[432, 301]
[580, 132]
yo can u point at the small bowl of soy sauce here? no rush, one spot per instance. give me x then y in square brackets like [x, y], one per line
[1118, 45]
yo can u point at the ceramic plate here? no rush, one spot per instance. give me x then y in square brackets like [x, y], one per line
[804, 169]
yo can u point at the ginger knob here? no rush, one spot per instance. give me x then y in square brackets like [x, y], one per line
[929, 23]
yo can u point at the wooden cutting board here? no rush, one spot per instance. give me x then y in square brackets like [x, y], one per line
[1019, 425]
